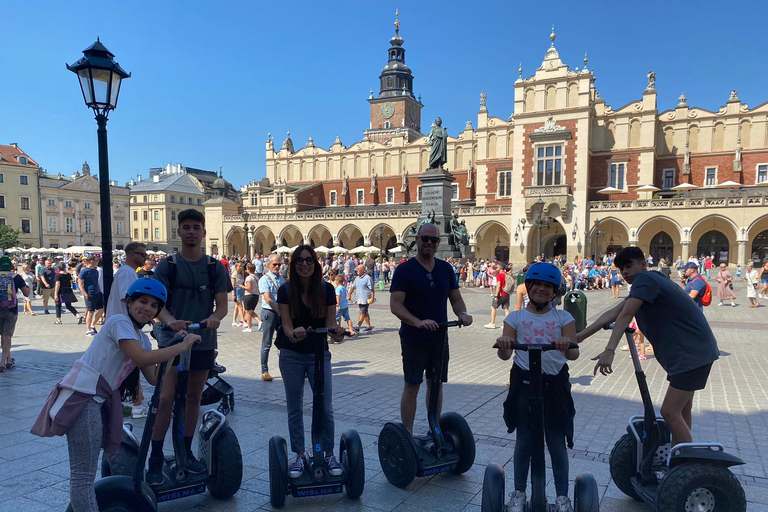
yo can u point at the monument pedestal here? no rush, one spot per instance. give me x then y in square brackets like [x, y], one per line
[436, 195]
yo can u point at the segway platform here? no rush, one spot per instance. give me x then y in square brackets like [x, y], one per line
[171, 489]
[306, 485]
[429, 464]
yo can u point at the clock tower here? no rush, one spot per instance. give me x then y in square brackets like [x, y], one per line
[395, 110]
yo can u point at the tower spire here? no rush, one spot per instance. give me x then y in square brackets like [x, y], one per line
[397, 22]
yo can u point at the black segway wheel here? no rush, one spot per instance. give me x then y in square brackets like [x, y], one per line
[118, 494]
[701, 487]
[353, 461]
[226, 465]
[278, 471]
[493, 489]
[623, 465]
[121, 463]
[455, 426]
[586, 497]
[396, 455]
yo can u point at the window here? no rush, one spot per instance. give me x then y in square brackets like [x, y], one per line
[2, 221]
[2, 201]
[360, 193]
[190, 200]
[69, 224]
[279, 198]
[418, 193]
[668, 178]
[23, 161]
[135, 234]
[26, 226]
[710, 177]
[254, 199]
[146, 234]
[51, 202]
[156, 197]
[156, 215]
[762, 173]
[332, 198]
[390, 195]
[173, 233]
[173, 215]
[616, 176]
[173, 199]
[24, 203]
[89, 225]
[386, 124]
[23, 180]
[87, 205]
[2, 178]
[119, 227]
[67, 204]
[157, 233]
[144, 199]
[136, 216]
[505, 184]
[53, 224]
[455, 191]
[134, 199]
[199, 202]
[145, 215]
[549, 165]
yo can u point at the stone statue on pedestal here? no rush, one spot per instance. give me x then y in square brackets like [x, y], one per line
[438, 140]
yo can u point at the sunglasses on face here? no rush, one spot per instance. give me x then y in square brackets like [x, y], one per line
[427, 238]
[142, 254]
[308, 261]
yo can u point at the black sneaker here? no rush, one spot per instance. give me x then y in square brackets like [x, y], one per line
[194, 466]
[155, 471]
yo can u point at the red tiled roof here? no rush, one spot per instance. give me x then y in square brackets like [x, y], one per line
[9, 156]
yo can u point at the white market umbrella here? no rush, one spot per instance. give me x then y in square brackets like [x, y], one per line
[79, 249]
[151, 252]
[610, 190]
[396, 249]
[363, 249]
[647, 188]
[323, 249]
[160, 253]
[728, 184]
[685, 186]
[338, 249]
[283, 250]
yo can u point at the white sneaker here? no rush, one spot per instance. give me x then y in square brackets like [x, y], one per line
[491, 326]
[334, 468]
[258, 327]
[139, 411]
[719, 303]
[298, 467]
[516, 502]
[563, 504]
[247, 329]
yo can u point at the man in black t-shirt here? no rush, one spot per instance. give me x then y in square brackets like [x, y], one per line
[147, 270]
[420, 289]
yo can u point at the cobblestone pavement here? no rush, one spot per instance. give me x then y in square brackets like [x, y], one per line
[367, 381]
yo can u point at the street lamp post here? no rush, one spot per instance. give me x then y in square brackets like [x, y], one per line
[598, 234]
[380, 238]
[246, 217]
[540, 221]
[100, 78]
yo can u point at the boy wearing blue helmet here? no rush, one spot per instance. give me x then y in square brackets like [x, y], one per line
[86, 405]
[540, 323]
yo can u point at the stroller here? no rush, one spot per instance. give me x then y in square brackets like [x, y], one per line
[218, 390]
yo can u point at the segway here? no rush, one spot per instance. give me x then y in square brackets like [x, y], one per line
[585, 493]
[218, 448]
[316, 480]
[218, 390]
[688, 476]
[449, 445]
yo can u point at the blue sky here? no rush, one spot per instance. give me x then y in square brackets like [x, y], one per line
[211, 79]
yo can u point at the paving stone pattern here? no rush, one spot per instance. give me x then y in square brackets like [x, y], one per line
[367, 382]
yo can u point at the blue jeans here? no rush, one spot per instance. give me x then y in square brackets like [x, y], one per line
[295, 367]
[269, 320]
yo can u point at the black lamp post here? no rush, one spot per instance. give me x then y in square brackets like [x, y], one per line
[246, 218]
[540, 221]
[598, 234]
[380, 238]
[100, 78]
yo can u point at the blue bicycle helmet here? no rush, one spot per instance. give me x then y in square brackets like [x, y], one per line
[546, 272]
[148, 286]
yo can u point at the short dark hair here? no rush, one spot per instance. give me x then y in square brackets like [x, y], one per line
[193, 215]
[627, 255]
[131, 247]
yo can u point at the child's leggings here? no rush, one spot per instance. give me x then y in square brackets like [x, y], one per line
[555, 438]
[69, 306]
[84, 443]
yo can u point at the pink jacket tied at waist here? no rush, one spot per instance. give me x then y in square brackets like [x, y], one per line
[68, 399]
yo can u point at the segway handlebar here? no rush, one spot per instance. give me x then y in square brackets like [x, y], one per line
[609, 327]
[451, 323]
[325, 330]
[177, 339]
[545, 347]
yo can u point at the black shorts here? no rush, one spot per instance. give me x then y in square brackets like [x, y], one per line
[502, 302]
[94, 302]
[363, 307]
[250, 302]
[692, 380]
[419, 357]
[201, 360]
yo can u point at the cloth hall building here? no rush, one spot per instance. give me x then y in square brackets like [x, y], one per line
[675, 183]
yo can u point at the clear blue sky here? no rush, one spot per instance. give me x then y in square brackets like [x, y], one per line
[210, 79]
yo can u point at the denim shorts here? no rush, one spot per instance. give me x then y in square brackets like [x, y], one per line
[342, 313]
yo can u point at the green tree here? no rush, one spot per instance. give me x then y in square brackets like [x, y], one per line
[9, 237]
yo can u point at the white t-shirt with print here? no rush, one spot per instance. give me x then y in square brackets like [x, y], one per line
[538, 329]
[104, 354]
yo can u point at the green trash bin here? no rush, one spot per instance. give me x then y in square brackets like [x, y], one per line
[381, 286]
[520, 278]
[575, 302]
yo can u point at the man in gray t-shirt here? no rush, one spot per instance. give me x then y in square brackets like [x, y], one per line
[682, 340]
[364, 292]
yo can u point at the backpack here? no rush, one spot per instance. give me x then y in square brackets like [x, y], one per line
[706, 299]
[173, 270]
[8, 298]
[509, 284]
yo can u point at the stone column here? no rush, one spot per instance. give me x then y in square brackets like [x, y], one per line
[685, 250]
[741, 253]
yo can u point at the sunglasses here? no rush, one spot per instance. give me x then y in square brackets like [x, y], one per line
[142, 254]
[427, 238]
[431, 280]
[307, 261]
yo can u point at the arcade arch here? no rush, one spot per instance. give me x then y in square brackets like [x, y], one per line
[757, 245]
[492, 239]
[290, 236]
[320, 235]
[383, 238]
[715, 235]
[350, 237]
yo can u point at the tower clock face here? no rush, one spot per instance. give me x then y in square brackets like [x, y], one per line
[387, 110]
[413, 111]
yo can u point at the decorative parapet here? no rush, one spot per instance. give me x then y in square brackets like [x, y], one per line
[681, 203]
[551, 194]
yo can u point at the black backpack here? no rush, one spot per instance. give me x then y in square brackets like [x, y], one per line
[173, 270]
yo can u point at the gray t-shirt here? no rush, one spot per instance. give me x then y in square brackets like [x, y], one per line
[190, 296]
[363, 286]
[674, 324]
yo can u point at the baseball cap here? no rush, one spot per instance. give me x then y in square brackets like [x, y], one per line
[6, 265]
[690, 264]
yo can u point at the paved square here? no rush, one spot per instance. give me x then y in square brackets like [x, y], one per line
[367, 381]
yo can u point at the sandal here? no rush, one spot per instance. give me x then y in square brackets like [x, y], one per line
[57, 322]
[80, 320]
[10, 364]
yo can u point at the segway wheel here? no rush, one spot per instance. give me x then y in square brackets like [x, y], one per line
[118, 494]
[702, 487]
[226, 465]
[353, 461]
[454, 425]
[396, 455]
[623, 465]
[493, 489]
[586, 497]
[278, 471]
[121, 463]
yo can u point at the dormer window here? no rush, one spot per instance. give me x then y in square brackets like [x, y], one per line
[23, 160]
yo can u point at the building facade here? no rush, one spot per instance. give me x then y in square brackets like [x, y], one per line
[70, 209]
[564, 174]
[19, 194]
